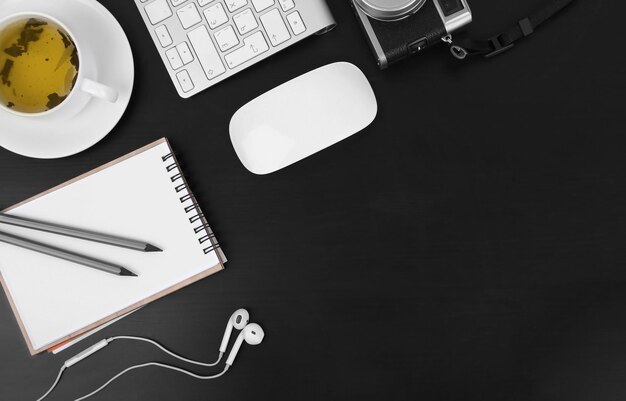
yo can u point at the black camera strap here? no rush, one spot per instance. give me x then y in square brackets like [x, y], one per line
[506, 40]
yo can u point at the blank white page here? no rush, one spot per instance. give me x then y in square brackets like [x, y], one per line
[55, 300]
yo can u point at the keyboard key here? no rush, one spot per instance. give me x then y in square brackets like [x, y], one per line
[286, 5]
[260, 5]
[215, 15]
[158, 11]
[253, 46]
[234, 5]
[203, 3]
[163, 35]
[296, 23]
[245, 21]
[174, 58]
[275, 28]
[207, 53]
[185, 81]
[185, 53]
[226, 38]
[189, 15]
[177, 2]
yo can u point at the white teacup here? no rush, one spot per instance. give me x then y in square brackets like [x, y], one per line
[86, 86]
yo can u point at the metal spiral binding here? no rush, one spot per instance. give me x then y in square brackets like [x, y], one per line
[198, 217]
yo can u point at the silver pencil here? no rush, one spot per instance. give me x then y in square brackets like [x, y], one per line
[65, 255]
[78, 233]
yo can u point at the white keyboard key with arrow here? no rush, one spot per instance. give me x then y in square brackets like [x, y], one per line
[253, 46]
[276, 29]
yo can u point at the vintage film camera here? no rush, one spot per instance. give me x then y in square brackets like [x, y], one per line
[397, 29]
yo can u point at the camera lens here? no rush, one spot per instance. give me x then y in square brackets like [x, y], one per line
[389, 10]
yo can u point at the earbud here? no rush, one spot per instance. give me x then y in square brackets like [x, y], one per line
[238, 320]
[253, 334]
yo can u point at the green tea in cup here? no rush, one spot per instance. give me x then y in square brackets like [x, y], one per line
[38, 65]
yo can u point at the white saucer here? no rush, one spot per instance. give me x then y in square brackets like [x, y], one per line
[96, 28]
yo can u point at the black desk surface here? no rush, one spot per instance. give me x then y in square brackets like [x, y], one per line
[469, 245]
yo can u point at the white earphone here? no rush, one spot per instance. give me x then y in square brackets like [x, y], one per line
[251, 333]
[238, 320]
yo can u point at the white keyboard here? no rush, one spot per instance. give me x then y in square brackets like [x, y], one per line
[203, 42]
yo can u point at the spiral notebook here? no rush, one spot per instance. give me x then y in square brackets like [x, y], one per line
[143, 195]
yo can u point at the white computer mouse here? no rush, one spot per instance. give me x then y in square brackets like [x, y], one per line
[302, 117]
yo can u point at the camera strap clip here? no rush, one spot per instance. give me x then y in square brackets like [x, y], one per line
[456, 50]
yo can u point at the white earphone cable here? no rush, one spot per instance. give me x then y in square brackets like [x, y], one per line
[156, 344]
[252, 333]
[53, 384]
[162, 348]
[161, 365]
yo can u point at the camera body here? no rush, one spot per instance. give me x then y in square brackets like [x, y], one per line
[397, 29]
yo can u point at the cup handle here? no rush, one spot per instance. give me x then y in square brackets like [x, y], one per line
[99, 90]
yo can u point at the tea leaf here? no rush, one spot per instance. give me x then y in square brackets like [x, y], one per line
[74, 58]
[15, 50]
[29, 34]
[35, 23]
[10, 105]
[66, 41]
[70, 75]
[54, 100]
[6, 70]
